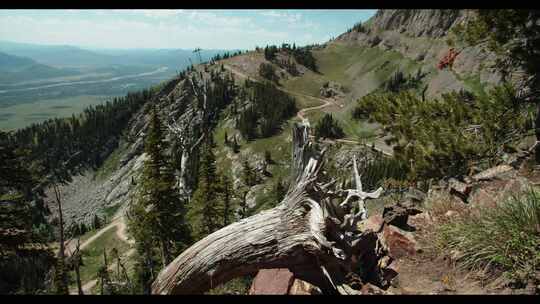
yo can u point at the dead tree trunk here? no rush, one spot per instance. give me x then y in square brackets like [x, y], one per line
[312, 232]
[184, 130]
[77, 260]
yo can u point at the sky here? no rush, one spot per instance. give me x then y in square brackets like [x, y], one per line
[187, 29]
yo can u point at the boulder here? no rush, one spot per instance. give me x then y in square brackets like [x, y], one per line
[398, 214]
[415, 195]
[331, 89]
[420, 56]
[492, 173]
[272, 282]
[399, 243]
[300, 287]
[373, 41]
[373, 223]
[458, 187]
[481, 197]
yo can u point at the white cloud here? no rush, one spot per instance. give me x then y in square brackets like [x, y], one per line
[162, 28]
[211, 31]
[215, 20]
[271, 14]
[159, 13]
[293, 20]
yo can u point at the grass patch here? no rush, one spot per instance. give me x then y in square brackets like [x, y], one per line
[343, 63]
[309, 84]
[236, 286]
[88, 235]
[93, 255]
[306, 102]
[473, 83]
[504, 240]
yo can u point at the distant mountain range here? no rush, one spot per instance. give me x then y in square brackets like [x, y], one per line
[62, 56]
[17, 68]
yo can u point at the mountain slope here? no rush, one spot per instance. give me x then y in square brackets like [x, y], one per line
[16, 68]
[352, 60]
[356, 63]
[14, 63]
[56, 55]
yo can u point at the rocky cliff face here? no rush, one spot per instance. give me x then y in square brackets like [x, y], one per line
[94, 191]
[421, 36]
[418, 23]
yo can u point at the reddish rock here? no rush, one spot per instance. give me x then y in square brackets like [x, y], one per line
[373, 223]
[481, 197]
[399, 243]
[272, 282]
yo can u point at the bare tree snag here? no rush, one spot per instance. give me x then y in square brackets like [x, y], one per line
[312, 232]
[77, 259]
[183, 129]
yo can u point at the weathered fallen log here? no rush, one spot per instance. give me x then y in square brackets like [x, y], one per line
[312, 232]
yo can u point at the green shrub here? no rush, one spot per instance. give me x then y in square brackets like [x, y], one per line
[446, 136]
[269, 109]
[268, 71]
[501, 240]
[381, 169]
[327, 127]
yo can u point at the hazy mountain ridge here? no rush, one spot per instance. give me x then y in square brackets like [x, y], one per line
[18, 68]
[72, 56]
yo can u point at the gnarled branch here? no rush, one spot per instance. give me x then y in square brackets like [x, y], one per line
[309, 232]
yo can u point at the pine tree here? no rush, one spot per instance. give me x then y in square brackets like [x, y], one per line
[514, 35]
[25, 257]
[96, 223]
[61, 278]
[226, 196]
[250, 178]
[327, 127]
[204, 209]
[236, 146]
[157, 217]
[243, 211]
[268, 157]
[446, 136]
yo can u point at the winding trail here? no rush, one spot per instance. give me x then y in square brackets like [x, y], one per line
[378, 144]
[301, 112]
[120, 224]
[87, 287]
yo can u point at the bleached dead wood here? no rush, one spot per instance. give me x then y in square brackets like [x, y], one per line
[312, 232]
[182, 128]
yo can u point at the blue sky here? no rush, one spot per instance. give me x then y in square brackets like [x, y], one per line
[209, 29]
